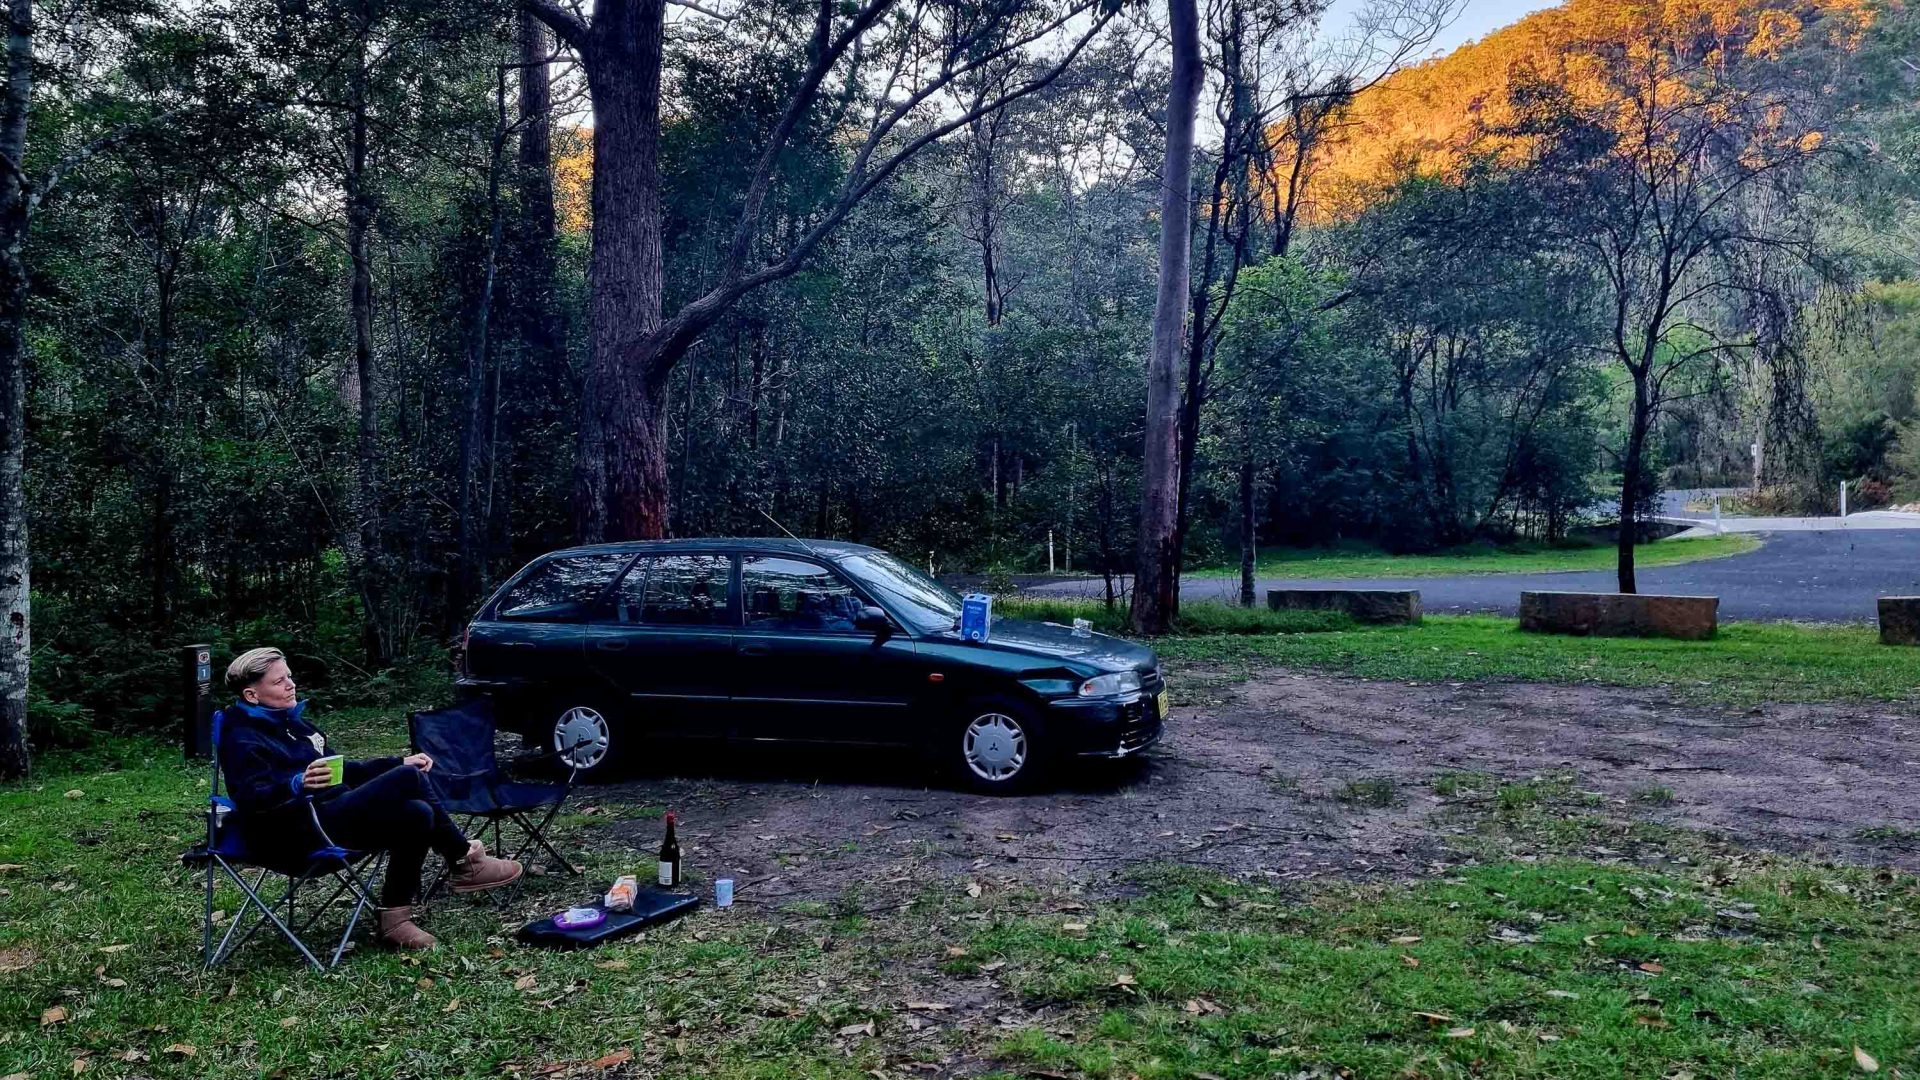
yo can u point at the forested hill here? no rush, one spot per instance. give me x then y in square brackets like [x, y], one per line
[1420, 118]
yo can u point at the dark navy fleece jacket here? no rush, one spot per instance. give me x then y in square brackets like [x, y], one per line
[263, 753]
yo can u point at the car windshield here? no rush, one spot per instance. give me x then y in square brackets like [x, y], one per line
[919, 599]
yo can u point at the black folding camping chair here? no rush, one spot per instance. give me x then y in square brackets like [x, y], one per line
[467, 776]
[237, 851]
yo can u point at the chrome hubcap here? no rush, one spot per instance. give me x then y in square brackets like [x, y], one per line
[580, 736]
[995, 746]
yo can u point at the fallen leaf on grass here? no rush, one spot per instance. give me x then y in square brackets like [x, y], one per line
[185, 1050]
[616, 1058]
[16, 1076]
[289, 1021]
[1865, 1060]
[955, 952]
[993, 965]
[115, 948]
[1123, 979]
[525, 982]
[76, 793]
[1201, 1006]
[1459, 1033]
[451, 1005]
[1208, 901]
[1406, 939]
[1433, 1017]
[1409, 961]
[6, 866]
[1651, 967]
[423, 983]
[17, 958]
[114, 984]
[1074, 927]
[131, 1055]
[612, 965]
[857, 1029]
[1567, 994]
[53, 1014]
[928, 1006]
[973, 888]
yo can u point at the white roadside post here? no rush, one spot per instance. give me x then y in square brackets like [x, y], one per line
[1843, 500]
[1717, 527]
[1049, 551]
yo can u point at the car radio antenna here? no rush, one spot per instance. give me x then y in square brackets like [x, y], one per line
[790, 536]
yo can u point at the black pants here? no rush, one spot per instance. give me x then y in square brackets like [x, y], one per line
[396, 812]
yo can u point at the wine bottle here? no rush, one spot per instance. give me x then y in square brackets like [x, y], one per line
[670, 856]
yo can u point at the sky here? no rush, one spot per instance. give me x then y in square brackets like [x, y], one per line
[1480, 17]
[1475, 20]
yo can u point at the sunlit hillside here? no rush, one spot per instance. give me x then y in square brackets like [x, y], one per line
[1422, 117]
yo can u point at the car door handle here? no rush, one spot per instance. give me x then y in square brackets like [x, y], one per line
[755, 649]
[517, 645]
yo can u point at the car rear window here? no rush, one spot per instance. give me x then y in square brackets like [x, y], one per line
[560, 588]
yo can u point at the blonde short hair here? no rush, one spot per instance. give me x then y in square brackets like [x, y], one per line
[250, 667]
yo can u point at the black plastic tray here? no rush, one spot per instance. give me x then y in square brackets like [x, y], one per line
[649, 907]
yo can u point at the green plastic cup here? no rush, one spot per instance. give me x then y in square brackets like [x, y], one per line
[336, 769]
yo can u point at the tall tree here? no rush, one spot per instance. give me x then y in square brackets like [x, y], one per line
[1651, 169]
[22, 194]
[1156, 583]
[906, 59]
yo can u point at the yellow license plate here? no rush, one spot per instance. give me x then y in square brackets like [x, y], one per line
[1160, 701]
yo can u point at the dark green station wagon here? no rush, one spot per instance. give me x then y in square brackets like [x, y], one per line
[593, 649]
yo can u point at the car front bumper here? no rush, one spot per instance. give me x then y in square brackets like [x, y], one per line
[1108, 727]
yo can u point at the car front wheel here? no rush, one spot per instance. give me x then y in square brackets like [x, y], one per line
[583, 738]
[1000, 746]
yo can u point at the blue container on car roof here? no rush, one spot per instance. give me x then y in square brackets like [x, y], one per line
[976, 617]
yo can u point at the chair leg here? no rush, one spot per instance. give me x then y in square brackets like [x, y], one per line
[364, 897]
[206, 920]
[265, 913]
[537, 835]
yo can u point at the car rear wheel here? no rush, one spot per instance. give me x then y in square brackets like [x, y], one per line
[584, 737]
[1000, 746]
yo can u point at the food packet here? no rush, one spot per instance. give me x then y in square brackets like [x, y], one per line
[621, 896]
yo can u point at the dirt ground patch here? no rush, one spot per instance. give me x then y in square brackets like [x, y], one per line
[1290, 776]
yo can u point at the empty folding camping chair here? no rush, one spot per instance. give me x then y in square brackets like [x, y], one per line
[301, 861]
[467, 776]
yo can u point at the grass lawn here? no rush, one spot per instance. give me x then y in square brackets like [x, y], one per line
[1368, 562]
[1553, 968]
[1548, 969]
[1746, 663]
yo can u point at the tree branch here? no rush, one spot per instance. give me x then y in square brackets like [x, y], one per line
[566, 25]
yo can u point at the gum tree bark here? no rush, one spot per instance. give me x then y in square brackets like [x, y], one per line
[1156, 583]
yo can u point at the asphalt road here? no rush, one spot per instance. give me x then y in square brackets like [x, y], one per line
[1812, 576]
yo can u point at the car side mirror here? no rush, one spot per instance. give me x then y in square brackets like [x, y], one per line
[875, 620]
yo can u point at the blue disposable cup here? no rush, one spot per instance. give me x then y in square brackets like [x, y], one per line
[723, 892]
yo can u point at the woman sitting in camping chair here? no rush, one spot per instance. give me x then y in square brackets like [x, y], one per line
[272, 759]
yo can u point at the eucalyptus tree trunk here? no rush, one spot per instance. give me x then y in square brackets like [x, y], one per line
[623, 75]
[1156, 583]
[368, 504]
[15, 205]
[473, 525]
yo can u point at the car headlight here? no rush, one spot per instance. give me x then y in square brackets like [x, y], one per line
[1120, 682]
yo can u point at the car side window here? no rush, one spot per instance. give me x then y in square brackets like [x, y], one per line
[787, 594]
[559, 589]
[675, 590]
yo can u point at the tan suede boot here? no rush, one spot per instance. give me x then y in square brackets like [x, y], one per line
[397, 929]
[480, 871]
